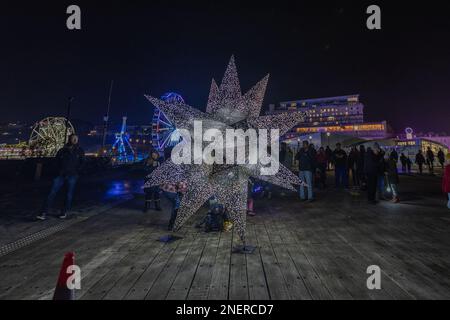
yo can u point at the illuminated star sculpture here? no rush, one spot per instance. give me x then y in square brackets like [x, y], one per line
[227, 108]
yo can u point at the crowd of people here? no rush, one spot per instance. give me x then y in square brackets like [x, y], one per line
[369, 169]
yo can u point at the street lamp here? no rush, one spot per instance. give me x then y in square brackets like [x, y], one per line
[328, 138]
[69, 107]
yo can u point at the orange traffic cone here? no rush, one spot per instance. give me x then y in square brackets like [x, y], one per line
[62, 292]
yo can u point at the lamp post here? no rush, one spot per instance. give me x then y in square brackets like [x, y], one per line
[328, 138]
[69, 107]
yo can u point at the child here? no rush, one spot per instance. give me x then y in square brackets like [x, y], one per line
[392, 177]
[152, 193]
[446, 180]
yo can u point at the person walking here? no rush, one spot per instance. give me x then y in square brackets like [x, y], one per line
[393, 177]
[430, 160]
[329, 154]
[352, 159]
[70, 160]
[322, 163]
[360, 167]
[441, 158]
[381, 163]
[394, 155]
[340, 166]
[446, 180]
[408, 164]
[306, 166]
[371, 172]
[403, 161]
[420, 160]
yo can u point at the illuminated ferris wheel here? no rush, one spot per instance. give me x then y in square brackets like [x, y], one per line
[49, 135]
[164, 133]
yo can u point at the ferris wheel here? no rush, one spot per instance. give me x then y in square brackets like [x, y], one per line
[164, 133]
[48, 136]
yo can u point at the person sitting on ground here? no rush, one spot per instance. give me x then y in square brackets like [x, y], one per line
[446, 180]
[152, 194]
[392, 177]
[70, 160]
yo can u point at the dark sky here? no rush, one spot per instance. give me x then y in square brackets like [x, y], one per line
[402, 72]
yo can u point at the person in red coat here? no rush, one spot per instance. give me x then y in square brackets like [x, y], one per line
[446, 180]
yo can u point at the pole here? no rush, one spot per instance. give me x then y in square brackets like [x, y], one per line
[106, 119]
[69, 107]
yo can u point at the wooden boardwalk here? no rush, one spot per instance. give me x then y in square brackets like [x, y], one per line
[319, 250]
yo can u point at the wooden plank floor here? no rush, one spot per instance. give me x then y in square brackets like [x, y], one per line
[319, 250]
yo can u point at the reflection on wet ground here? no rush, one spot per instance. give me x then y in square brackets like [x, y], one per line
[119, 188]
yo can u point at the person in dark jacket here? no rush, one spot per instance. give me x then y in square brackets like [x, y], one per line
[360, 167]
[352, 159]
[392, 177]
[394, 155]
[306, 165]
[70, 160]
[321, 160]
[420, 160]
[441, 158]
[430, 160]
[404, 162]
[340, 167]
[329, 154]
[371, 172]
[381, 166]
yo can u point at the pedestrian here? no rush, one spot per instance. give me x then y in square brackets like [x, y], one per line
[352, 159]
[446, 180]
[321, 160]
[408, 164]
[152, 194]
[329, 154]
[306, 166]
[394, 155]
[430, 160]
[381, 167]
[420, 160]
[393, 177]
[441, 158]
[69, 160]
[360, 167]
[403, 161]
[340, 166]
[371, 172]
[174, 192]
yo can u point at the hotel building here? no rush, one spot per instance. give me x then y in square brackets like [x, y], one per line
[343, 116]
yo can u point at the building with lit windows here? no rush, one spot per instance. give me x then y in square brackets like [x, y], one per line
[332, 119]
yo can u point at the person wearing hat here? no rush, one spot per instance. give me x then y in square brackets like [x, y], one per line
[446, 180]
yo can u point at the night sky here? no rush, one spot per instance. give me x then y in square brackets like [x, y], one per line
[402, 72]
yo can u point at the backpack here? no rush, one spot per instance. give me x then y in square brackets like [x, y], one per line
[215, 219]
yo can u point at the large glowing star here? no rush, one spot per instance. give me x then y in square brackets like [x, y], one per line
[227, 109]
